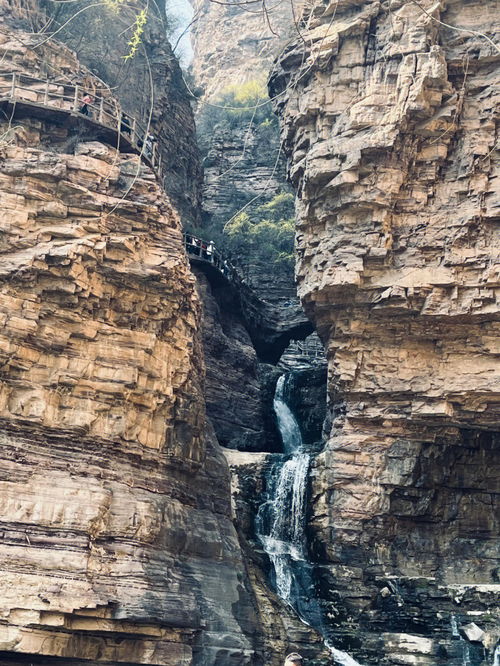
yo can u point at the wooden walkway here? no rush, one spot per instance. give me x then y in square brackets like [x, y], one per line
[45, 98]
[59, 101]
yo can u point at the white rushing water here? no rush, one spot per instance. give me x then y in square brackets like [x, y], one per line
[496, 656]
[341, 657]
[284, 539]
[281, 520]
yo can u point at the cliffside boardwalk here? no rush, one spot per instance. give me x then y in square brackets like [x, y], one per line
[27, 93]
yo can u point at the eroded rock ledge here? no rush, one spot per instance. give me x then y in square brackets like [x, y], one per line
[388, 118]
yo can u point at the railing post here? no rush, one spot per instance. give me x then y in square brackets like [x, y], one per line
[13, 87]
[101, 110]
[133, 132]
[46, 94]
[76, 98]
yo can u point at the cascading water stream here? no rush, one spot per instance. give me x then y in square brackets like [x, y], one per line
[282, 517]
[281, 524]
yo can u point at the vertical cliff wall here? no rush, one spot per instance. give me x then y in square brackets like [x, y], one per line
[389, 117]
[117, 542]
[149, 86]
[235, 43]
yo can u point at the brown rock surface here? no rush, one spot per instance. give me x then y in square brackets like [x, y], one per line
[149, 86]
[117, 543]
[389, 125]
[232, 388]
[236, 42]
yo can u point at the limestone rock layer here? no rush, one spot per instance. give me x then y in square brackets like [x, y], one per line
[116, 540]
[389, 113]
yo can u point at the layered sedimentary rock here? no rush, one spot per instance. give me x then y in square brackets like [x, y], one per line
[388, 118]
[232, 387]
[234, 43]
[149, 85]
[117, 543]
[243, 166]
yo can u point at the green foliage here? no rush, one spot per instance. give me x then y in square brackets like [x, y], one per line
[246, 94]
[136, 39]
[113, 5]
[264, 235]
[236, 106]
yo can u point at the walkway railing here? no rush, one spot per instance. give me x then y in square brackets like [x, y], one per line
[207, 252]
[310, 348]
[102, 109]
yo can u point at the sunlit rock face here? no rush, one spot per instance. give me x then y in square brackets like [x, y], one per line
[117, 543]
[388, 120]
[234, 43]
[149, 85]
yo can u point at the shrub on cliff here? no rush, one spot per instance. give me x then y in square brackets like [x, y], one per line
[264, 235]
[236, 106]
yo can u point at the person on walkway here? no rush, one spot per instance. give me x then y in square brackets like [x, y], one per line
[210, 251]
[125, 124]
[86, 100]
[294, 659]
[149, 146]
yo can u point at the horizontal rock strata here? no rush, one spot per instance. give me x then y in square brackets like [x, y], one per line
[388, 118]
[116, 538]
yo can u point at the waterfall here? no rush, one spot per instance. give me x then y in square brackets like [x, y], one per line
[281, 524]
[287, 423]
[496, 656]
[282, 518]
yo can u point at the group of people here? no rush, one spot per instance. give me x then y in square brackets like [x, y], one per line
[125, 126]
[148, 143]
[208, 251]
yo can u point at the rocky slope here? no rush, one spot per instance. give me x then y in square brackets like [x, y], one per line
[389, 122]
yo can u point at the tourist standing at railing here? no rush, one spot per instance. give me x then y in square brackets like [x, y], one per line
[84, 108]
[125, 127]
[149, 146]
[210, 251]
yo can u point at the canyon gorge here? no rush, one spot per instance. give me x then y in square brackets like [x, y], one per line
[214, 461]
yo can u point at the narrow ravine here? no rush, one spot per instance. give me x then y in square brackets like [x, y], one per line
[281, 523]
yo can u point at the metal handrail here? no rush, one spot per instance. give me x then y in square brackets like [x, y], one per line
[206, 251]
[104, 110]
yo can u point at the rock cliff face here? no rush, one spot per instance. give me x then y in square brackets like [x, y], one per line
[235, 43]
[149, 85]
[117, 543]
[242, 162]
[117, 540]
[232, 388]
[388, 119]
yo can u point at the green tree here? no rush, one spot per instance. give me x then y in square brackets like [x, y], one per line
[265, 234]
